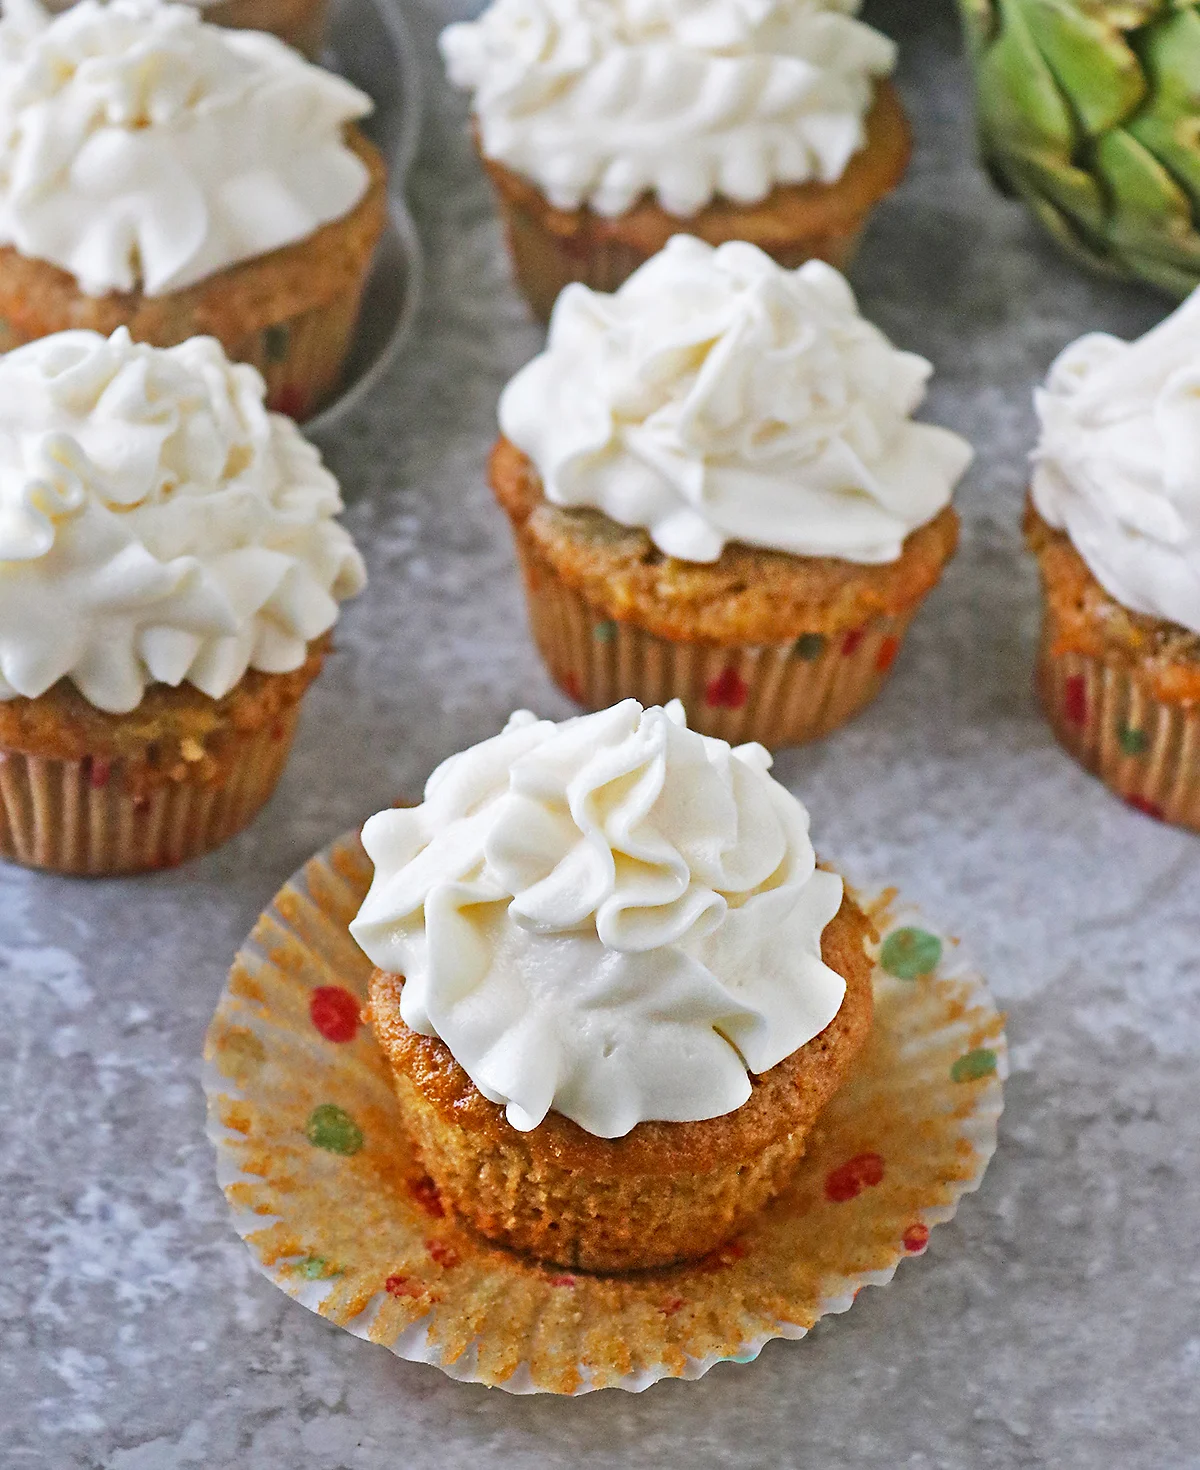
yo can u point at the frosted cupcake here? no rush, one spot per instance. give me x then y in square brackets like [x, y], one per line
[607, 127]
[613, 986]
[1114, 521]
[301, 23]
[718, 493]
[169, 572]
[181, 180]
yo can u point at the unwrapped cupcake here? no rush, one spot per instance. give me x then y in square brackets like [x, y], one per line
[1114, 521]
[169, 572]
[181, 180]
[719, 494]
[612, 984]
[607, 125]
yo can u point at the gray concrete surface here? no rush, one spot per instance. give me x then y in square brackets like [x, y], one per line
[1054, 1323]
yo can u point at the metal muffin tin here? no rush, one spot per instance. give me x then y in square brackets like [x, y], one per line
[368, 42]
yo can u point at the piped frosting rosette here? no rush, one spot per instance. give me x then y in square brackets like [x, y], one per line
[614, 917]
[157, 524]
[143, 148]
[600, 103]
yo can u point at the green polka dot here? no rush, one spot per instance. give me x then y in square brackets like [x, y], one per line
[275, 343]
[810, 646]
[1133, 742]
[604, 632]
[330, 1127]
[911, 953]
[976, 1064]
[316, 1268]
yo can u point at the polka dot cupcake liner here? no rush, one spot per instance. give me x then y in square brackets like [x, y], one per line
[338, 1212]
[778, 694]
[1145, 749]
[98, 818]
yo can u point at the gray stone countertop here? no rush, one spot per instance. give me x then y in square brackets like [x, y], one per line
[1054, 1323]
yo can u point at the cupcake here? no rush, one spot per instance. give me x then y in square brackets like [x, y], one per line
[718, 493]
[612, 985]
[605, 128]
[182, 180]
[301, 23]
[1114, 521]
[169, 572]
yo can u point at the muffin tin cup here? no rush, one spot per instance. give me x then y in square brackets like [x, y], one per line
[1145, 749]
[338, 1210]
[778, 694]
[89, 818]
[545, 259]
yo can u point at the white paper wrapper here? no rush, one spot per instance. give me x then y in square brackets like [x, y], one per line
[338, 1212]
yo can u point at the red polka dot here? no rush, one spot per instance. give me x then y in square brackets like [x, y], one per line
[443, 1253]
[99, 771]
[1147, 808]
[1075, 700]
[334, 1012]
[277, 730]
[402, 1286]
[916, 1238]
[290, 400]
[861, 1172]
[570, 682]
[886, 656]
[425, 1192]
[727, 691]
[562, 1281]
[852, 641]
[672, 1305]
[722, 1258]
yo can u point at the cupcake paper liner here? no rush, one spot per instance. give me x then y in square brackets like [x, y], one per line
[338, 1211]
[545, 260]
[302, 357]
[301, 23]
[778, 694]
[81, 817]
[1145, 749]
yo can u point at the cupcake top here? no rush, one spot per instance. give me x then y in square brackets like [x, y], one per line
[143, 148]
[613, 917]
[1116, 465]
[601, 101]
[718, 397]
[157, 524]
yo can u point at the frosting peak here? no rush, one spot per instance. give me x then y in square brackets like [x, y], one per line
[718, 397]
[601, 101]
[157, 524]
[614, 917]
[142, 147]
[1116, 464]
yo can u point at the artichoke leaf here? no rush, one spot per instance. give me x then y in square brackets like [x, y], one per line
[1018, 98]
[1091, 61]
[1150, 213]
[1169, 124]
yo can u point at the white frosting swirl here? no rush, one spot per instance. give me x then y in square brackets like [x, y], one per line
[1118, 463]
[142, 147]
[601, 101]
[157, 524]
[614, 917]
[718, 397]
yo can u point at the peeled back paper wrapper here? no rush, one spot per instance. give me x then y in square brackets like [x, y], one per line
[338, 1211]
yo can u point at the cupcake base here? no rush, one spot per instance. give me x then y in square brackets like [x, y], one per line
[778, 694]
[301, 23]
[551, 247]
[80, 817]
[1145, 749]
[337, 1210]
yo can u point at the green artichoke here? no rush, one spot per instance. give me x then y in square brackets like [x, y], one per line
[1090, 110]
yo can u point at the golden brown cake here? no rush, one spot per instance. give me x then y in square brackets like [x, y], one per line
[794, 223]
[664, 1192]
